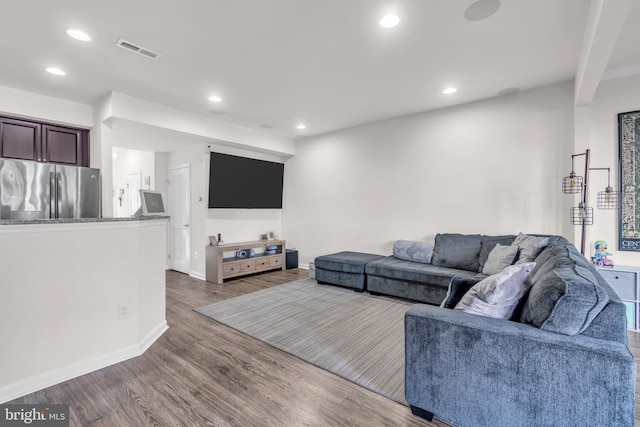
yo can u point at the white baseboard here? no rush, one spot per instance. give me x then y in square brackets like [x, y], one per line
[304, 266]
[57, 376]
[197, 275]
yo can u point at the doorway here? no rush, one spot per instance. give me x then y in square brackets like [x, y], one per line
[134, 184]
[179, 204]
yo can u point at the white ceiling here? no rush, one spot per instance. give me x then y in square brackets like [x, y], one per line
[326, 63]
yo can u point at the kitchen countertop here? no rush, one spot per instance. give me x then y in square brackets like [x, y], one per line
[79, 220]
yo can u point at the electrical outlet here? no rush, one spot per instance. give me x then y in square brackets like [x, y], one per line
[123, 311]
[195, 255]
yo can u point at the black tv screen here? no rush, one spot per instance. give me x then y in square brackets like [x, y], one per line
[240, 182]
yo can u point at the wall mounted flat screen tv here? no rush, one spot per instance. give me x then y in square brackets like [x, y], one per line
[243, 183]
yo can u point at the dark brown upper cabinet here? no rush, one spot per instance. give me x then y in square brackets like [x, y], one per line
[20, 139]
[43, 142]
[65, 145]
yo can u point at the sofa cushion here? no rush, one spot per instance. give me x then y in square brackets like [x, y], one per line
[413, 251]
[530, 246]
[487, 245]
[346, 262]
[554, 256]
[460, 251]
[566, 300]
[498, 295]
[409, 271]
[500, 258]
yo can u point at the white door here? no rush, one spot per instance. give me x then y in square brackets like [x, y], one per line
[134, 182]
[179, 203]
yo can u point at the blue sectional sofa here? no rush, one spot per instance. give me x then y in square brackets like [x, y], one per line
[561, 359]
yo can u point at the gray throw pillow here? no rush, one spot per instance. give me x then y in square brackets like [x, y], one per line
[488, 243]
[459, 251]
[413, 251]
[530, 247]
[500, 258]
[498, 295]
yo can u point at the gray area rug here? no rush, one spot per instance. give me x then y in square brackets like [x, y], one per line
[359, 337]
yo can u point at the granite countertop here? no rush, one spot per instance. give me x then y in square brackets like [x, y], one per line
[78, 220]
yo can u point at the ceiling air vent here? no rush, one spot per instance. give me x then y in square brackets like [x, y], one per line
[136, 49]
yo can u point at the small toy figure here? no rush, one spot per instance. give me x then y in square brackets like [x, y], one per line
[600, 258]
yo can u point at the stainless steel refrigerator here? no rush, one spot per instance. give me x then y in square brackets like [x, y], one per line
[32, 190]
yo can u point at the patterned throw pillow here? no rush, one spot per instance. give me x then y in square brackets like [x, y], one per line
[498, 295]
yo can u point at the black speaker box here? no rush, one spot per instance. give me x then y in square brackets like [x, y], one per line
[292, 259]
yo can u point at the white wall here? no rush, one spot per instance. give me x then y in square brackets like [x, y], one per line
[613, 97]
[60, 319]
[488, 167]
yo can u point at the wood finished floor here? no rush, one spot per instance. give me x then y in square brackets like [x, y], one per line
[202, 373]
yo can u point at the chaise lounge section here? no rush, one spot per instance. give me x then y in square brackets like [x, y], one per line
[344, 269]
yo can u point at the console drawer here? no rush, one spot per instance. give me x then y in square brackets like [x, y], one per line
[623, 282]
[248, 265]
[276, 261]
[230, 268]
[262, 263]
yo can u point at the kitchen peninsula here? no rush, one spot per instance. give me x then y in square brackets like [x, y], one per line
[77, 295]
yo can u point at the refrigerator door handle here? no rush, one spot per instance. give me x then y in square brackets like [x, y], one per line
[58, 194]
[53, 196]
[99, 196]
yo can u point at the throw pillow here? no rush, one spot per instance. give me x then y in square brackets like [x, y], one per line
[500, 258]
[530, 247]
[498, 295]
[413, 251]
[487, 245]
[459, 251]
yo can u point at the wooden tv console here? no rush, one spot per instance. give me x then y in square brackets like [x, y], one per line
[220, 268]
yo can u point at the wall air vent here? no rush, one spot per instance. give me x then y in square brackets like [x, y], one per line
[136, 49]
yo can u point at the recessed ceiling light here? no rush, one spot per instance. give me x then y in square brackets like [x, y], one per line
[78, 35]
[389, 21]
[56, 71]
[301, 126]
[215, 99]
[449, 90]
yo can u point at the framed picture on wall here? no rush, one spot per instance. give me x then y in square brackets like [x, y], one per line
[629, 149]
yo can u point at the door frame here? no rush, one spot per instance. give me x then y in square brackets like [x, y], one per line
[170, 247]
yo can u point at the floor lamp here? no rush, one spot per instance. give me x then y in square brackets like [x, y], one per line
[582, 215]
